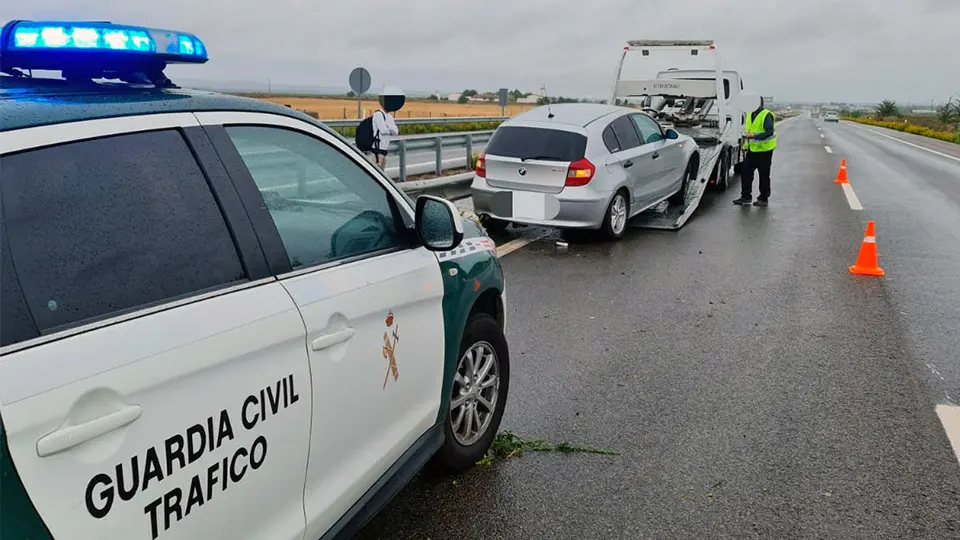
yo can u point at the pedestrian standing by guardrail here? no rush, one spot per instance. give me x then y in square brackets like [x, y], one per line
[760, 142]
[392, 100]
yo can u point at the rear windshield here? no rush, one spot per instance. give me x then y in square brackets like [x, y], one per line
[537, 143]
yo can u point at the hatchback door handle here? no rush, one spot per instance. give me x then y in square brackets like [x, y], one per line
[656, 155]
[627, 164]
[335, 338]
[69, 437]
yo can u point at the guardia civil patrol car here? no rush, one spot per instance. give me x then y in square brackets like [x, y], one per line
[219, 320]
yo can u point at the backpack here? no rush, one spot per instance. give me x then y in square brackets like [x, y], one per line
[365, 138]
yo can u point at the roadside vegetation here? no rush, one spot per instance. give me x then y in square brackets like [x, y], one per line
[944, 125]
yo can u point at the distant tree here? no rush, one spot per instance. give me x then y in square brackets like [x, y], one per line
[948, 112]
[463, 99]
[470, 93]
[888, 108]
[435, 97]
[351, 94]
[516, 94]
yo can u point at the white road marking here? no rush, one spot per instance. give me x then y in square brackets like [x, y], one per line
[950, 418]
[822, 136]
[517, 243]
[828, 149]
[941, 154]
[852, 199]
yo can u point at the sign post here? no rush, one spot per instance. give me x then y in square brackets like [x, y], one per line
[359, 83]
[504, 95]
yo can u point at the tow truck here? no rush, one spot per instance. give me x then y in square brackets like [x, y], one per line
[689, 101]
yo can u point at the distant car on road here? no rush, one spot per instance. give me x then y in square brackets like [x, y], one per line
[831, 117]
[580, 166]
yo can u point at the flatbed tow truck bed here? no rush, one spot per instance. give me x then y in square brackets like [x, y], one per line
[666, 217]
[696, 103]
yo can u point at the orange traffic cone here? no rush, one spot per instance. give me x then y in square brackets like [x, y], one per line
[867, 264]
[842, 174]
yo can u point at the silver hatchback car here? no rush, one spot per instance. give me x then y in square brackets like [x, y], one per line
[580, 166]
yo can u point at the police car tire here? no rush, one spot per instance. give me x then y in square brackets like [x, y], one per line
[452, 456]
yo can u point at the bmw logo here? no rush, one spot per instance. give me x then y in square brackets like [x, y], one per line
[522, 171]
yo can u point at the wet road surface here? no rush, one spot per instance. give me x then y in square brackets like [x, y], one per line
[753, 388]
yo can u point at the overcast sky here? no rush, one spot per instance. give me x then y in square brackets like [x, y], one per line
[847, 50]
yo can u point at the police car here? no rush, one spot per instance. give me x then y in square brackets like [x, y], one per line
[219, 320]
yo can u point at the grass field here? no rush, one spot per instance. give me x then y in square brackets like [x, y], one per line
[341, 108]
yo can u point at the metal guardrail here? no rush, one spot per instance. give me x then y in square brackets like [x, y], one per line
[353, 122]
[465, 142]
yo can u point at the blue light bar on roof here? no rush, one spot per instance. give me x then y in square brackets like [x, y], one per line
[104, 40]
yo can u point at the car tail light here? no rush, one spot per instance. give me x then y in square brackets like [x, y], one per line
[580, 173]
[481, 167]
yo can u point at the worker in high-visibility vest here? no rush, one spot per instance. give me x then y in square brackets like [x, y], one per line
[760, 140]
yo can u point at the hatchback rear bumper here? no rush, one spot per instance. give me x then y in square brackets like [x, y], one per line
[580, 208]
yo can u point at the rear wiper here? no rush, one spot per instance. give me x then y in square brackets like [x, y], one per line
[544, 158]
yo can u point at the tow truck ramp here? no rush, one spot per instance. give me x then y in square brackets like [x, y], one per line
[666, 217]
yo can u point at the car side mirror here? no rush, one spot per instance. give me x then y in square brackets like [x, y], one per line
[438, 223]
[672, 134]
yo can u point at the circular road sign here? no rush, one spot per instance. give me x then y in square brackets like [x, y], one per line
[360, 80]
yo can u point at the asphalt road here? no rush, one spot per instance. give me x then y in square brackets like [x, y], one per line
[753, 388]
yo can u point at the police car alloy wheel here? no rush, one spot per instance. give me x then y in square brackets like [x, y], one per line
[479, 394]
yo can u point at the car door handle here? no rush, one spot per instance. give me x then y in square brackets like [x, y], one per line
[329, 340]
[627, 164]
[656, 155]
[69, 437]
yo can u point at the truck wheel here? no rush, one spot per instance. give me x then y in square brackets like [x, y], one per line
[478, 396]
[615, 220]
[680, 197]
[723, 172]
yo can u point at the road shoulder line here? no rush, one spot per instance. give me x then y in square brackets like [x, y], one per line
[517, 243]
[852, 198]
[908, 143]
[950, 418]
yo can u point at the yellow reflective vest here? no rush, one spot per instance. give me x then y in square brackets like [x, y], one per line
[755, 126]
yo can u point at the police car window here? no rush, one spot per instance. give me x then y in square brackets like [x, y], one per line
[326, 206]
[107, 225]
[16, 322]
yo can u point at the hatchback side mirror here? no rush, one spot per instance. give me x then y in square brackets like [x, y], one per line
[438, 223]
[672, 134]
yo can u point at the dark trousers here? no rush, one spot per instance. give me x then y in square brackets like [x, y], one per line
[760, 162]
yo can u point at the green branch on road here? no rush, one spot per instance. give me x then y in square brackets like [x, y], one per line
[507, 445]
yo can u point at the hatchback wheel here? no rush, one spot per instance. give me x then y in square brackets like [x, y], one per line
[615, 221]
[478, 395]
[680, 196]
